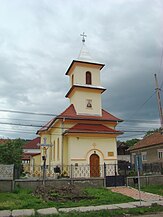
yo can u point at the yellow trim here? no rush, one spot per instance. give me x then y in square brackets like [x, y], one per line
[94, 149]
[78, 159]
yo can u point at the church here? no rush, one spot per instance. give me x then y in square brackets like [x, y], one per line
[83, 134]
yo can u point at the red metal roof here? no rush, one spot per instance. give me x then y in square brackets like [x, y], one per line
[33, 144]
[148, 141]
[92, 128]
[70, 114]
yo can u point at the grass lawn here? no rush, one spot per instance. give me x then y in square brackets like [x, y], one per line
[155, 189]
[23, 199]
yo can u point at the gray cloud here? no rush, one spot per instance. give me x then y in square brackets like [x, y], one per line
[39, 39]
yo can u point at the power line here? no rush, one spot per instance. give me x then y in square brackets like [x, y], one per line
[143, 104]
[26, 112]
[36, 126]
[19, 119]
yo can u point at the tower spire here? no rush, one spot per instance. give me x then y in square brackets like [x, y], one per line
[83, 37]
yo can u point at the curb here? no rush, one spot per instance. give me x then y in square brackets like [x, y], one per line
[54, 211]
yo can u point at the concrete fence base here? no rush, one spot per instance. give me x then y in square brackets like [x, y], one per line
[8, 186]
[146, 180]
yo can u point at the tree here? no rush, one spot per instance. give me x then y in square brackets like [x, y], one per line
[132, 142]
[152, 131]
[11, 152]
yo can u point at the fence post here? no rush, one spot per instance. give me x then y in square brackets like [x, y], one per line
[104, 175]
[115, 169]
[71, 173]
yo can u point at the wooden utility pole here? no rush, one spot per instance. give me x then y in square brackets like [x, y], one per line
[159, 102]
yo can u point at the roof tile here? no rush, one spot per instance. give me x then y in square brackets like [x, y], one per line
[148, 141]
[33, 144]
[70, 113]
[92, 128]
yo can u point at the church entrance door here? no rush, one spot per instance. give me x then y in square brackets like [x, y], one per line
[94, 165]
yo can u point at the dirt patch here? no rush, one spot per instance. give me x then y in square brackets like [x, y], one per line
[62, 194]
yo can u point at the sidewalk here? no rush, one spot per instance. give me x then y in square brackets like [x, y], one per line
[53, 210]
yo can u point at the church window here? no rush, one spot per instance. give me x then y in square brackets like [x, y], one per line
[89, 103]
[54, 151]
[72, 79]
[88, 78]
[58, 149]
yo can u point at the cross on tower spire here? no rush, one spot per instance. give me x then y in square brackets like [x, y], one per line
[83, 37]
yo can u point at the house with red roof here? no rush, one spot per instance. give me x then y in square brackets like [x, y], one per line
[30, 150]
[84, 133]
[150, 148]
[31, 155]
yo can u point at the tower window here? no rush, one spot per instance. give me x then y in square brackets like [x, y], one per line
[88, 78]
[89, 103]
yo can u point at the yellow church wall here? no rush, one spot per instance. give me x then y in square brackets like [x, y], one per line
[79, 100]
[80, 77]
[54, 139]
[37, 159]
[81, 148]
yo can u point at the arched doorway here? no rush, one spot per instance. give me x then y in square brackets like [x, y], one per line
[94, 165]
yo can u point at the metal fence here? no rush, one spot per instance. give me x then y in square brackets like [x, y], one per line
[70, 171]
[86, 171]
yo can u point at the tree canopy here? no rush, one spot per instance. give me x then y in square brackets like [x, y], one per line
[11, 152]
[152, 131]
[132, 142]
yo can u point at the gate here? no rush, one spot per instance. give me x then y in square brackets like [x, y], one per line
[112, 175]
[113, 181]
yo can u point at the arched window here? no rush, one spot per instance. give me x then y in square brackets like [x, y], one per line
[54, 151]
[88, 78]
[72, 79]
[58, 149]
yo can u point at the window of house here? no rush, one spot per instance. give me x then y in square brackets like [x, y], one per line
[89, 103]
[58, 149]
[160, 154]
[144, 156]
[88, 78]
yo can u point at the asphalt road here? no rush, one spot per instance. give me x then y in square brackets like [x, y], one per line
[151, 215]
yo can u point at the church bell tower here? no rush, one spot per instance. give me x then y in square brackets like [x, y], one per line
[85, 85]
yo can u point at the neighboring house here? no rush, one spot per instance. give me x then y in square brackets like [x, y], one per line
[84, 134]
[31, 155]
[123, 153]
[150, 148]
[2, 141]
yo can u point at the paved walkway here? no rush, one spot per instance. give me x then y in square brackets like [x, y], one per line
[134, 193]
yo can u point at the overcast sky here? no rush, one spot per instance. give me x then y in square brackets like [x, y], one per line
[40, 38]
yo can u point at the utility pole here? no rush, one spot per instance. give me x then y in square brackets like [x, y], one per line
[159, 102]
